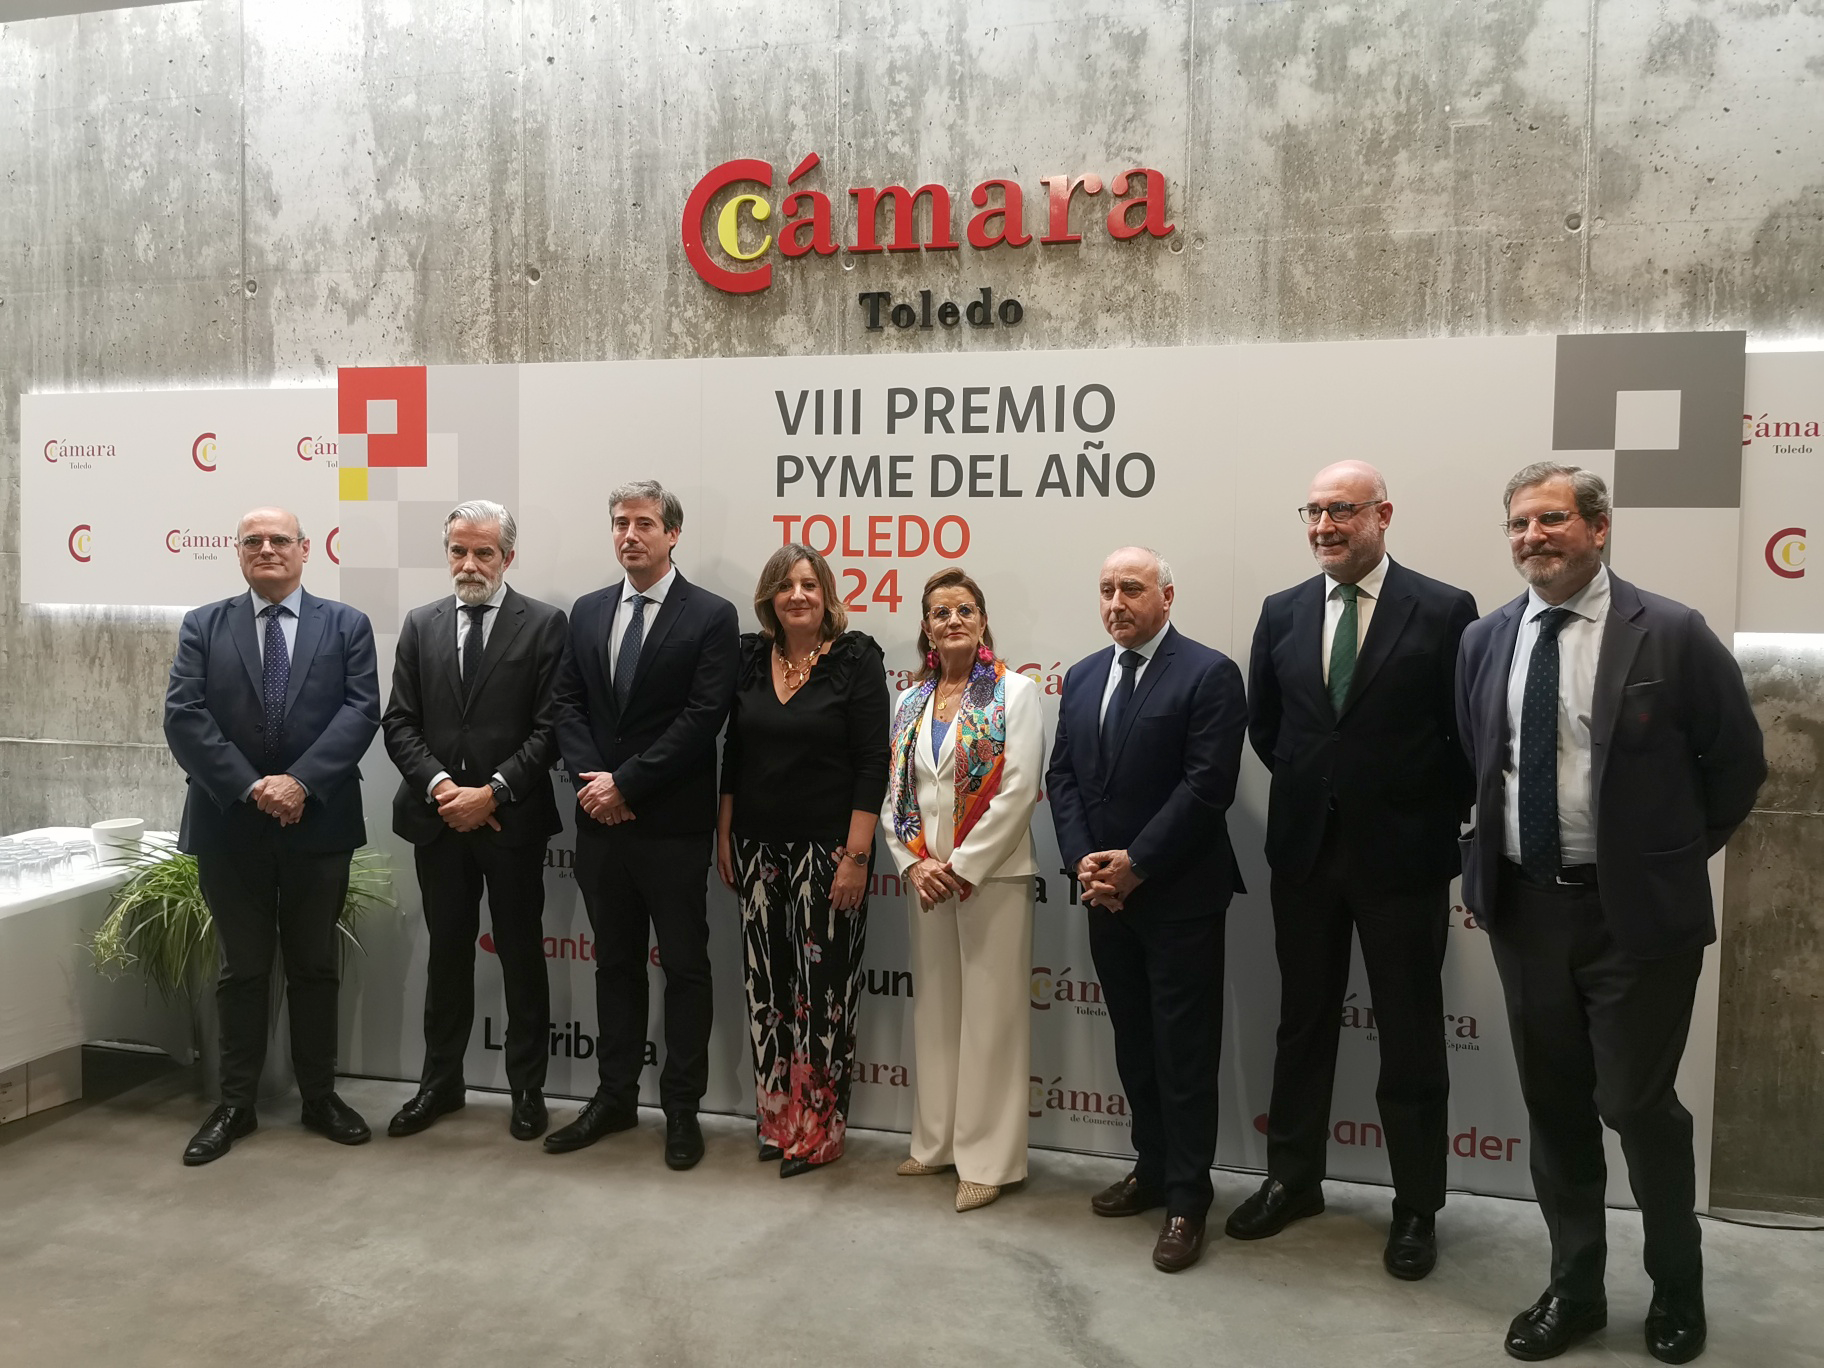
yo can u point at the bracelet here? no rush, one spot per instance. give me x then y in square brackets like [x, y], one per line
[844, 853]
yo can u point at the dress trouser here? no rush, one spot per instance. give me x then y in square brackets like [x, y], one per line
[1162, 981]
[636, 887]
[452, 870]
[971, 1026]
[1598, 1035]
[264, 896]
[1403, 935]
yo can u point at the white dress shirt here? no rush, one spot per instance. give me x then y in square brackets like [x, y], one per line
[462, 639]
[1146, 649]
[1579, 645]
[623, 614]
[1368, 589]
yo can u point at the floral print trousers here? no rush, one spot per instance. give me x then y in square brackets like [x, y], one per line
[804, 982]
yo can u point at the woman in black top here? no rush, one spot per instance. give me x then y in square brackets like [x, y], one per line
[804, 771]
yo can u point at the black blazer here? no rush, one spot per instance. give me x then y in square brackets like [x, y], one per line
[507, 723]
[1390, 765]
[1676, 761]
[1164, 795]
[215, 725]
[662, 751]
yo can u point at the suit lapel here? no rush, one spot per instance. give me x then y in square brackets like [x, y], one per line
[1384, 628]
[1500, 666]
[1621, 641]
[1143, 688]
[1085, 705]
[441, 670]
[304, 645]
[510, 617]
[659, 628]
[1308, 642]
[611, 605]
[243, 626]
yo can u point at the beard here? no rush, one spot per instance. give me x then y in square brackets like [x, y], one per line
[475, 589]
[1546, 569]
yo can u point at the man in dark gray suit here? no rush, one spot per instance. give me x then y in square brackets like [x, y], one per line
[1614, 751]
[472, 728]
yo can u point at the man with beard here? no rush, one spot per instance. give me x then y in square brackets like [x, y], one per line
[1614, 751]
[471, 727]
[1352, 706]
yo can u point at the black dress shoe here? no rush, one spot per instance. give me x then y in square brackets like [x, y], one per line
[1551, 1325]
[330, 1115]
[683, 1141]
[424, 1107]
[791, 1168]
[1412, 1246]
[1125, 1198]
[529, 1115]
[1180, 1244]
[1272, 1209]
[599, 1117]
[1675, 1325]
[224, 1126]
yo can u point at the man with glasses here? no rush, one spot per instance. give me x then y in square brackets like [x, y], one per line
[1351, 705]
[272, 702]
[1614, 750]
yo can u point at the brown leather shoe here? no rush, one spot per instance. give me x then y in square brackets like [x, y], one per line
[1180, 1244]
[1125, 1198]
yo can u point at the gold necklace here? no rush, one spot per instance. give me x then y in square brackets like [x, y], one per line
[943, 705]
[796, 672]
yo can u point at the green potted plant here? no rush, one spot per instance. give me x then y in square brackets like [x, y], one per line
[158, 926]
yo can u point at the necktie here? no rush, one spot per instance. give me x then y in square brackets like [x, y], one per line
[1343, 646]
[629, 659]
[1539, 855]
[1117, 704]
[275, 676]
[473, 643]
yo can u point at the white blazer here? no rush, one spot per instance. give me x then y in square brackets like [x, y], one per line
[999, 846]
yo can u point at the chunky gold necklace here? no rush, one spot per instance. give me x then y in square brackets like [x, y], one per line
[797, 672]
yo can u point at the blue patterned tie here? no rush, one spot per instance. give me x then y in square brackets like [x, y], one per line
[629, 659]
[275, 677]
[1539, 851]
[1130, 662]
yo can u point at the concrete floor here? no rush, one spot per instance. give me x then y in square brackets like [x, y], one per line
[460, 1246]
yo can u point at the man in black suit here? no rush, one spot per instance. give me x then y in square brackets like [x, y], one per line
[1614, 750]
[646, 688]
[1352, 706]
[272, 702]
[472, 729]
[1142, 774]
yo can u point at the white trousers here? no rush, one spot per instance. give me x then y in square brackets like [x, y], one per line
[971, 1025]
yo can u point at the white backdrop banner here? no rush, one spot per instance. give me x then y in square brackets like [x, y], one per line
[1025, 468]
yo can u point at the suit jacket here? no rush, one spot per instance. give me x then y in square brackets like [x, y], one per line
[662, 750]
[506, 723]
[215, 724]
[1389, 765]
[1675, 763]
[999, 845]
[1164, 794]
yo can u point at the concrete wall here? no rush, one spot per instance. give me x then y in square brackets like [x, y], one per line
[215, 193]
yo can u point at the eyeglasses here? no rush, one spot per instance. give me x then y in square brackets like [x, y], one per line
[1548, 522]
[964, 613]
[278, 543]
[1339, 512]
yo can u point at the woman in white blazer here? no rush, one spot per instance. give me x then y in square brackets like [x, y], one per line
[968, 750]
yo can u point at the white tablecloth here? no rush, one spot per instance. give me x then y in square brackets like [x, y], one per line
[51, 997]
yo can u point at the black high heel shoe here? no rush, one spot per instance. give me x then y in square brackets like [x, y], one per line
[791, 1168]
[771, 1154]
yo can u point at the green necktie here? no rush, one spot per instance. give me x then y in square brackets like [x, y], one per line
[1342, 649]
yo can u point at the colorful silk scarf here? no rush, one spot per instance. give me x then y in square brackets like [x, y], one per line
[981, 753]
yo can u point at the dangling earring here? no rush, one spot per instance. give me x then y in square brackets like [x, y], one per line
[983, 654]
[931, 660]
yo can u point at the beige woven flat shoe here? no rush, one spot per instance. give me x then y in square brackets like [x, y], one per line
[911, 1168]
[970, 1195]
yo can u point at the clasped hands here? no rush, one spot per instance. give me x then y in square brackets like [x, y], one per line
[280, 796]
[1107, 878]
[464, 809]
[935, 880]
[602, 799]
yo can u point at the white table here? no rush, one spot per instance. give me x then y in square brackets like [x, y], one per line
[51, 996]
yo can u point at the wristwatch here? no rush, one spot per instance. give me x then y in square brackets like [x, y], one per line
[502, 794]
[844, 853]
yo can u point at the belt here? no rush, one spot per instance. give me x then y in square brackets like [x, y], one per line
[1568, 876]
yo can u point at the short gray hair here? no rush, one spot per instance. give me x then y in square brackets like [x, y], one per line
[1165, 571]
[484, 511]
[671, 511]
[1591, 492]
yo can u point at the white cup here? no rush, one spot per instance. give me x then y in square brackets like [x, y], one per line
[117, 838]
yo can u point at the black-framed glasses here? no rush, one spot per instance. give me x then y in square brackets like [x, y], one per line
[278, 543]
[964, 613]
[1339, 512]
[1549, 521]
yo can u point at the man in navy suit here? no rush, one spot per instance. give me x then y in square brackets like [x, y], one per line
[1142, 774]
[643, 694]
[1352, 706]
[272, 703]
[1614, 751]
